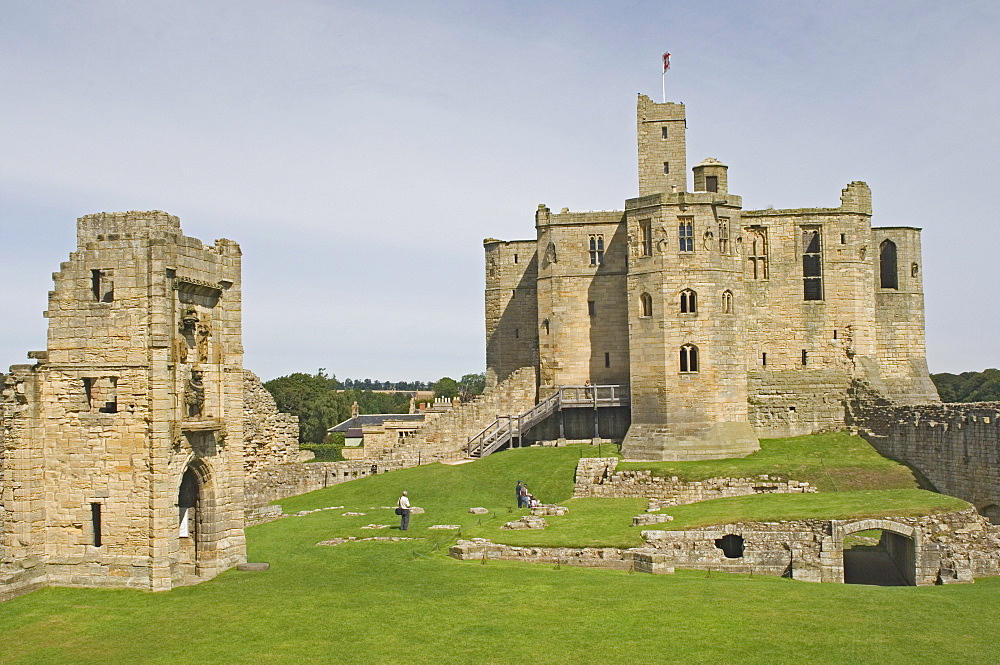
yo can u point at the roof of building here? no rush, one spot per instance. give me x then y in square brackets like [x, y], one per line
[375, 419]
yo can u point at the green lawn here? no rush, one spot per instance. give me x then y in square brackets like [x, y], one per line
[407, 602]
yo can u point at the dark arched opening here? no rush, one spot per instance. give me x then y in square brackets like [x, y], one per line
[189, 517]
[888, 277]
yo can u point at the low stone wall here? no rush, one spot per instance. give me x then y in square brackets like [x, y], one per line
[447, 435]
[587, 557]
[941, 548]
[282, 481]
[955, 446]
[598, 476]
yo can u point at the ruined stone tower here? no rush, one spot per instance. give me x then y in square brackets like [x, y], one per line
[725, 324]
[122, 461]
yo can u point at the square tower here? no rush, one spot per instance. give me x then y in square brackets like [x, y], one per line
[123, 463]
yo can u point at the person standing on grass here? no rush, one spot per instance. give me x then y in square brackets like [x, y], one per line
[522, 497]
[404, 512]
[517, 493]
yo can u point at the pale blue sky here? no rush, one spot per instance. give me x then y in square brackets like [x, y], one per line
[360, 151]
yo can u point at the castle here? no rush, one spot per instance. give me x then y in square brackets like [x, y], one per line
[725, 324]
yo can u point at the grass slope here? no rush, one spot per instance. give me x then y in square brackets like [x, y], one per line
[406, 602]
[832, 462]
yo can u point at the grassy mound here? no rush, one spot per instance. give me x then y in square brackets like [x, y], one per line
[834, 462]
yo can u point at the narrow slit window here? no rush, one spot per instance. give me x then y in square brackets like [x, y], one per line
[727, 302]
[763, 359]
[591, 308]
[607, 360]
[517, 333]
[515, 258]
[95, 523]
[666, 167]
[805, 357]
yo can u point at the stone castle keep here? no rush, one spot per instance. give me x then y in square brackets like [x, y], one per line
[122, 456]
[725, 324]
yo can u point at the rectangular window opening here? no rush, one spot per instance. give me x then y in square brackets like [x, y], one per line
[102, 285]
[666, 167]
[646, 234]
[515, 258]
[607, 360]
[95, 523]
[596, 250]
[685, 230]
[591, 308]
[812, 263]
[711, 183]
[663, 132]
[805, 357]
[763, 359]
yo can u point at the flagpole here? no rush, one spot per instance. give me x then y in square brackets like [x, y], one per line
[663, 77]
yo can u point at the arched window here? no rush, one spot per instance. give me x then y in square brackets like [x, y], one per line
[689, 302]
[689, 358]
[727, 302]
[647, 304]
[888, 278]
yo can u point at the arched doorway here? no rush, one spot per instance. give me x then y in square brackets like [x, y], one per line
[190, 521]
[879, 556]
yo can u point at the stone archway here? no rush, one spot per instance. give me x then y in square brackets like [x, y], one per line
[892, 562]
[194, 508]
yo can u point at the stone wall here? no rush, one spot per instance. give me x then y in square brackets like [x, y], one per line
[955, 446]
[597, 476]
[942, 548]
[269, 436]
[446, 437]
[281, 481]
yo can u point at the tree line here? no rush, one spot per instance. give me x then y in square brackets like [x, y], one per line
[968, 386]
[321, 401]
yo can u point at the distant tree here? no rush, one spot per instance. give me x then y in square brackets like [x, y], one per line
[968, 386]
[314, 399]
[445, 387]
[472, 385]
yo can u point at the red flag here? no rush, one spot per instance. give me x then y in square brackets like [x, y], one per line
[666, 62]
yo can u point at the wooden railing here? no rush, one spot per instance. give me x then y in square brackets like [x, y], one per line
[506, 428]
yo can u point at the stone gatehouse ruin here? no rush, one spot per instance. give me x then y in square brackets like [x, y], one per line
[122, 458]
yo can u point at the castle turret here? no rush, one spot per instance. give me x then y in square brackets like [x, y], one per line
[711, 176]
[661, 132]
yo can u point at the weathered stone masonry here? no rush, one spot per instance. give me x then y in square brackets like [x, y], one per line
[726, 324]
[121, 458]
